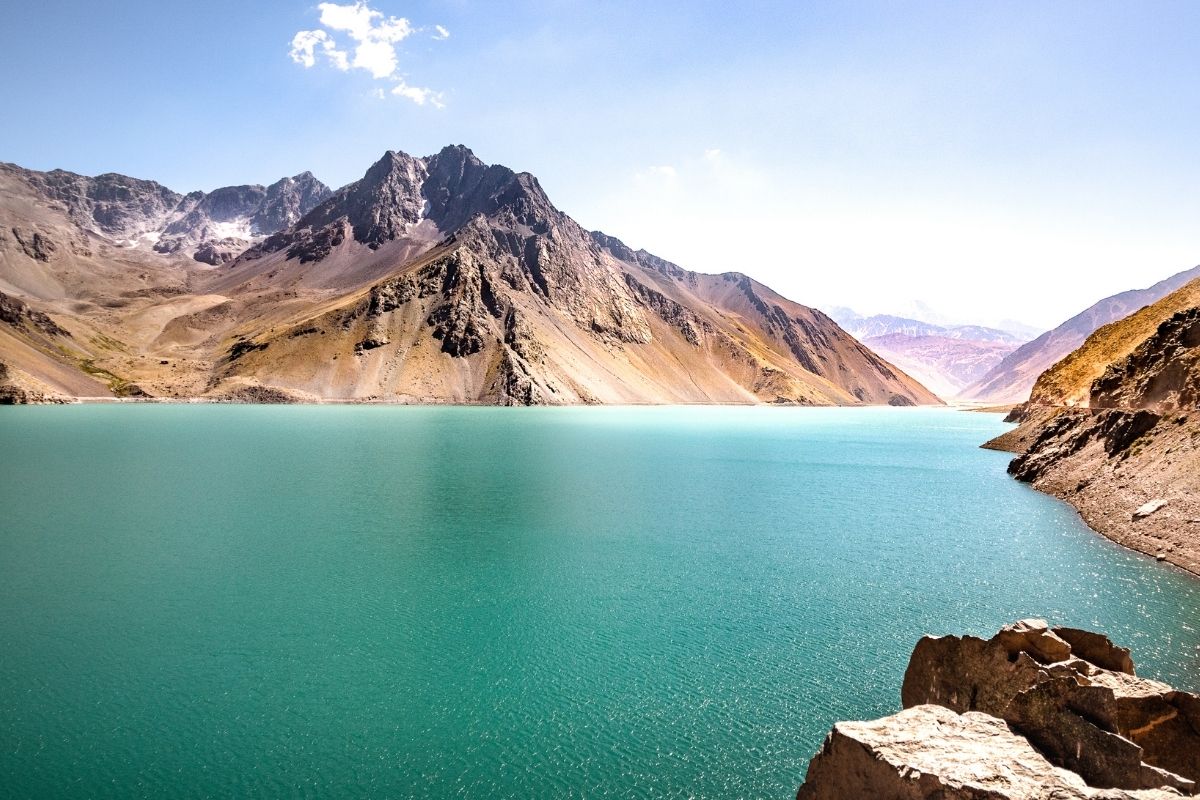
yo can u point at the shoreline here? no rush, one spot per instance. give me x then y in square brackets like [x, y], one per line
[1110, 492]
[352, 401]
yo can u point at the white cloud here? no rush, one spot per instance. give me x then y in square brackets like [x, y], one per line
[305, 44]
[665, 171]
[364, 23]
[712, 154]
[373, 41]
[377, 58]
[418, 95]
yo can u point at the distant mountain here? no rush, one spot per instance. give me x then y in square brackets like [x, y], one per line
[223, 223]
[1012, 380]
[945, 358]
[1019, 329]
[862, 327]
[437, 279]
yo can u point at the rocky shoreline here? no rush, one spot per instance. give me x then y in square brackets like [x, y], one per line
[1131, 475]
[1033, 712]
[1128, 456]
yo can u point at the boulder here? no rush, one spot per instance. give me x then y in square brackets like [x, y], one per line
[1075, 725]
[1033, 712]
[1098, 649]
[929, 751]
[1072, 693]
[1146, 509]
[1033, 636]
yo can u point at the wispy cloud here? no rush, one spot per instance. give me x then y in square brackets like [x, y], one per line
[373, 39]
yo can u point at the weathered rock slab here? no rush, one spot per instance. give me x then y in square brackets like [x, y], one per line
[929, 751]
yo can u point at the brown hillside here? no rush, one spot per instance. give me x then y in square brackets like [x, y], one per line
[1069, 382]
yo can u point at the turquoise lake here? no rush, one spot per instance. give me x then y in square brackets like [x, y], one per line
[374, 602]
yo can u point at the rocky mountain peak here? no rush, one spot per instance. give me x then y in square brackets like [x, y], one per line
[461, 186]
[393, 166]
[233, 216]
[380, 207]
[287, 200]
[455, 159]
[399, 192]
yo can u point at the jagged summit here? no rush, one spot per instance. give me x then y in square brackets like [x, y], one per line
[402, 197]
[113, 205]
[380, 207]
[446, 279]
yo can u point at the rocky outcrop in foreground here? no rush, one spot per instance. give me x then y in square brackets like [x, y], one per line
[1033, 712]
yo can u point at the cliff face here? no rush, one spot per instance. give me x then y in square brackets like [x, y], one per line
[1012, 380]
[438, 279]
[1033, 712]
[1161, 375]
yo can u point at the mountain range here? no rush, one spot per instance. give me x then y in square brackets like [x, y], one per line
[438, 279]
[945, 358]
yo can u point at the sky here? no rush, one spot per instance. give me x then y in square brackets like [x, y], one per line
[980, 160]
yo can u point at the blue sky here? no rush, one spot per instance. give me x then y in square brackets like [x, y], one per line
[990, 159]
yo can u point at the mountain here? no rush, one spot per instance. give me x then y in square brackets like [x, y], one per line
[437, 279]
[943, 364]
[1070, 381]
[220, 225]
[1023, 332]
[1012, 379]
[944, 358]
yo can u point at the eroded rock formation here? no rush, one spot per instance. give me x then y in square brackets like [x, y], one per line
[1032, 712]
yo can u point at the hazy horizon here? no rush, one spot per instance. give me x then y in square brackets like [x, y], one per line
[982, 161]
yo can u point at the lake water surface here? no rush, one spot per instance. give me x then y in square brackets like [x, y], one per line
[352, 601]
